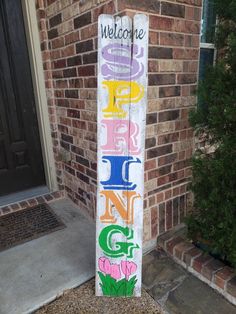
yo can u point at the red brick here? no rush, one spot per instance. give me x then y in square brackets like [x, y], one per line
[90, 58]
[159, 151]
[84, 46]
[151, 118]
[168, 138]
[82, 20]
[161, 79]
[175, 210]
[169, 91]
[171, 9]
[55, 20]
[231, 286]
[90, 82]
[75, 83]
[182, 164]
[61, 63]
[89, 31]
[154, 222]
[169, 219]
[159, 198]
[79, 124]
[171, 39]
[192, 13]
[150, 164]
[159, 172]
[222, 276]
[176, 191]
[108, 8]
[57, 42]
[71, 72]
[170, 244]
[190, 255]
[161, 23]
[168, 115]
[75, 60]
[185, 26]
[153, 66]
[167, 159]
[181, 248]
[168, 194]
[71, 113]
[191, 2]
[153, 38]
[71, 93]
[166, 179]
[161, 216]
[185, 90]
[88, 70]
[55, 74]
[210, 268]
[5, 210]
[72, 37]
[144, 5]
[160, 53]
[185, 54]
[186, 78]
[201, 261]
[68, 51]
[192, 41]
[190, 66]
[164, 170]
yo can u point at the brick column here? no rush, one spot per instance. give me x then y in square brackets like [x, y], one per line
[173, 65]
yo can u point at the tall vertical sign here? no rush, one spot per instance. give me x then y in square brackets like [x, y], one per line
[122, 93]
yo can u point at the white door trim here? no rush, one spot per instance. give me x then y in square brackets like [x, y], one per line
[35, 56]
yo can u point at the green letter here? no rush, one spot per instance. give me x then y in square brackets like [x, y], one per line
[117, 249]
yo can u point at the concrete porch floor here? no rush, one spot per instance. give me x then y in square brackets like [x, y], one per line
[38, 271]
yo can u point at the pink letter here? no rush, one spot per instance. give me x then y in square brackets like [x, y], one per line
[122, 137]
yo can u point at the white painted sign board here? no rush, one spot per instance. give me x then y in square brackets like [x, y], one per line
[122, 98]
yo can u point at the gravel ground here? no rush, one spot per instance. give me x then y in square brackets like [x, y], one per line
[82, 300]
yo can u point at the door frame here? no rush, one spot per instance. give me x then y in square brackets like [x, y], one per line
[36, 63]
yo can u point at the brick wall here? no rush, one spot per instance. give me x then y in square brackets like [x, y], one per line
[68, 32]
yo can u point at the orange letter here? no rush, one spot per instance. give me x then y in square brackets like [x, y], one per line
[126, 211]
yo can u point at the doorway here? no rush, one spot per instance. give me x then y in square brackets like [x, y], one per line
[21, 161]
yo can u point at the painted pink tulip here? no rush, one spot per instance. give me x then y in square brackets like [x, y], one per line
[128, 268]
[104, 265]
[115, 271]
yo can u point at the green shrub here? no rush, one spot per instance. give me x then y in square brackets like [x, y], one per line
[214, 173]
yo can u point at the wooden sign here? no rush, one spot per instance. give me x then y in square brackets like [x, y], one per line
[122, 93]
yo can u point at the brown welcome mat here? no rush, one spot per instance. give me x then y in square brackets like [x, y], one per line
[27, 224]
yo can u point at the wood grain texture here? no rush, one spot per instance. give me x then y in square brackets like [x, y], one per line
[122, 92]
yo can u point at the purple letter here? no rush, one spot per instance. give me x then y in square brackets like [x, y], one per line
[121, 62]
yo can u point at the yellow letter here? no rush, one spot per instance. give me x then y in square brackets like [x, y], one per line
[121, 93]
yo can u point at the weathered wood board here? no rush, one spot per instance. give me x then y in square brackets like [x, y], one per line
[122, 98]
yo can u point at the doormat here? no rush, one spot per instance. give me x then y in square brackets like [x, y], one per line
[28, 224]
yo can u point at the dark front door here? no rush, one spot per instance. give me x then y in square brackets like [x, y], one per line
[21, 165]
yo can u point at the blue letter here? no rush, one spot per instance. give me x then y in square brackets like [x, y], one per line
[119, 167]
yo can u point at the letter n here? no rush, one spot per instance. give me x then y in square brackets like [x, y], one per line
[115, 202]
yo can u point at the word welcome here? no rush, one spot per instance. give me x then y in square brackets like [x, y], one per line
[121, 33]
